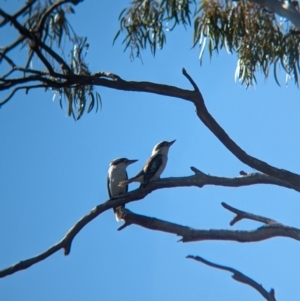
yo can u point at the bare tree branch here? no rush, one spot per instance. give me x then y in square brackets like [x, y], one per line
[27, 88]
[193, 96]
[43, 59]
[8, 60]
[242, 214]
[22, 30]
[240, 277]
[20, 12]
[245, 180]
[13, 45]
[54, 55]
[188, 234]
[33, 37]
[50, 10]
[237, 151]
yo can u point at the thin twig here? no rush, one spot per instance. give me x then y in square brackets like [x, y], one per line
[49, 11]
[196, 89]
[245, 215]
[20, 12]
[27, 88]
[238, 276]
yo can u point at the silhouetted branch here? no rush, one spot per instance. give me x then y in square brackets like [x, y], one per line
[203, 114]
[245, 180]
[240, 277]
[43, 59]
[22, 30]
[245, 215]
[237, 151]
[28, 4]
[7, 59]
[117, 83]
[27, 88]
[49, 11]
[188, 234]
[192, 96]
[54, 55]
[13, 45]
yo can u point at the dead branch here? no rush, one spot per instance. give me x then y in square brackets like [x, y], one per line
[192, 96]
[188, 234]
[245, 215]
[100, 79]
[237, 151]
[240, 277]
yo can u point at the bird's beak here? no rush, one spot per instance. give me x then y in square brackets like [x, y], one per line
[131, 161]
[171, 142]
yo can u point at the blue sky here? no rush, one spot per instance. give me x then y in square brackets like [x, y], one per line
[53, 171]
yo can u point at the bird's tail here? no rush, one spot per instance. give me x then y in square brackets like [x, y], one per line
[138, 178]
[125, 182]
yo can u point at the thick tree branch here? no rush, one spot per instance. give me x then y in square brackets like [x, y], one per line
[54, 55]
[115, 82]
[188, 234]
[240, 277]
[7, 59]
[203, 114]
[22, 30]
[9, 83]
[285, 9]
[237, 151]
[43, 59]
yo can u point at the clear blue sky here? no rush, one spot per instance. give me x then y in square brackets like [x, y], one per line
[53, 171]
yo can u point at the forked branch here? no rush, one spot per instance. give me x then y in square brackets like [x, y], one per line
[236, 150]
[188, 234]
[240, 277]
[115, 82]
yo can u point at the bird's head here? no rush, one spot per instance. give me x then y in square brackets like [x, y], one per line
[162, 146]
[122, 162]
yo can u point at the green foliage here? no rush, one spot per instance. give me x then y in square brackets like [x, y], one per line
[44, 28]
[77, 96]
[260, 39]
[145, 22]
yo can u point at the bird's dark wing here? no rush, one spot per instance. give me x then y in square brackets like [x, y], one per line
[152, 166]
[126, 189]
[108, 189]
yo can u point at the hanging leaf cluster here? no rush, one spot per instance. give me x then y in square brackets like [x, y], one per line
[145, 23]
[262, 41]
[44, 29]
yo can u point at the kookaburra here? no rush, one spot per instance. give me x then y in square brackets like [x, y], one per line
[116, 173]
[154, 167]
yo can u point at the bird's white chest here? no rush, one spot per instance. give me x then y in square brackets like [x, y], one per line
[115, 176]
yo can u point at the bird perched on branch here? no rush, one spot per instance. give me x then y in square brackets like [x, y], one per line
[116, 173]
[154, 167]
